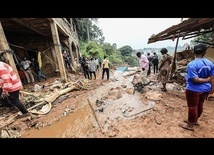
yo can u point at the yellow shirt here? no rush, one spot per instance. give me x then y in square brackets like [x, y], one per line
[105, 63]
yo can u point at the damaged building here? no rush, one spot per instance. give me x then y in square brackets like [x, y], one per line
[26, 37]
[189, 28]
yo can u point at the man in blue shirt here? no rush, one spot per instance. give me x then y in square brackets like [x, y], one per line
[199, 83]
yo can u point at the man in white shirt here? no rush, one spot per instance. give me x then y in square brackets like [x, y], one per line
[26, 65]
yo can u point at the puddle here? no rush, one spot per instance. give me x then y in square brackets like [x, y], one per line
[123, 68]
[77, 123]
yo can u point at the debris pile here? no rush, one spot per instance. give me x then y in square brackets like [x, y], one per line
[183, 58]
[38, 101]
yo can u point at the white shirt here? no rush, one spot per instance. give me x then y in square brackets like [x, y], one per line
[25, 64]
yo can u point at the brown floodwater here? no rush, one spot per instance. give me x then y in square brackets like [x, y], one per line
[72, 125]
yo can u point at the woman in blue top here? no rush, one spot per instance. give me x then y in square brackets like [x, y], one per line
[199, 83]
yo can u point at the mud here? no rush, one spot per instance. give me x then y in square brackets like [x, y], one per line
[120, 113]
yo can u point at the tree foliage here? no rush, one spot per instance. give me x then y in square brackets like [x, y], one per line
[88, 30]
[126, 50]
[108, 48]
[92, 44]
[205, 38]
[92, 49]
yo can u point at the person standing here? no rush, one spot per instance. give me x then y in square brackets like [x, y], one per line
[26, 66]
[144, 67]
[164, 68]
[106, 64]
[85, 67]
[199, 83]
[11, 85]
[149, 57]
[100, 62]
[97, 63]
[66, 59]
[92, 68]
[38, 70]
[155, 62]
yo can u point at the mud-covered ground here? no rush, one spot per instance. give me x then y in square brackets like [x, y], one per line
[110, 109]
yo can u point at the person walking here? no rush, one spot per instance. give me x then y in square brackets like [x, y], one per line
[144, 67]
[164, 68]
[105, 65]
[199, 83]
[10, 86]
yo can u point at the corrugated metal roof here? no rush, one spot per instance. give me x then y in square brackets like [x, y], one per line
[189, 28]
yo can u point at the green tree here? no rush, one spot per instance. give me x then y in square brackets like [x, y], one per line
[108, 48]
[88, 30]
[92, 49]
[126, 50]
[205, 38]
[130, 60]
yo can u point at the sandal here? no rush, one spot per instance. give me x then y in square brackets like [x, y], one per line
[186, 127]
[23, 115]
[196, 123]
[164, 89]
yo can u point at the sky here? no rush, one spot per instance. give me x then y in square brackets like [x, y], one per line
[135, 32]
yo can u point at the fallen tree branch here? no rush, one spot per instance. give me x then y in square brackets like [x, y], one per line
[93, 112]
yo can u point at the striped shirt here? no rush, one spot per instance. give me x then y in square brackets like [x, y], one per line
[8, 79]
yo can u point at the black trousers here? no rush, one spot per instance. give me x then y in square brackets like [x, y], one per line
[105, 70]
[92, 73]
[149, 70]
[155, 67]
[86, 74]
[14, 99]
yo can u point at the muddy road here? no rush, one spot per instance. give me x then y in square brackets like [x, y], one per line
[117, 112]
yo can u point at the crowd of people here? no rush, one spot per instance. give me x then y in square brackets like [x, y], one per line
[90, 67]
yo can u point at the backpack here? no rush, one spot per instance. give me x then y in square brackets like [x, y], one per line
[155, 59]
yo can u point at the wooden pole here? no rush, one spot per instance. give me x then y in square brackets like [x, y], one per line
[173, 66]
[94, 113]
